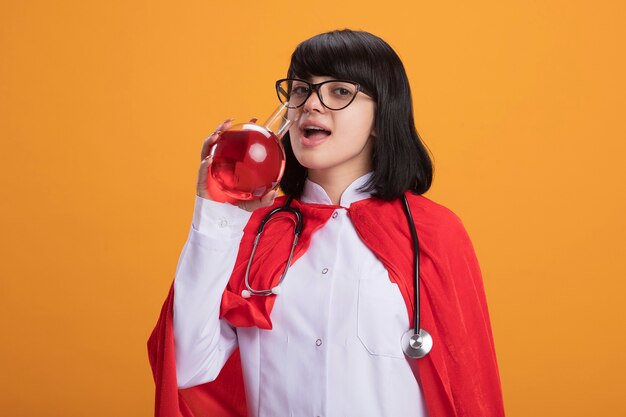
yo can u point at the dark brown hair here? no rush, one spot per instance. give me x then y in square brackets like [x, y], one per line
[400, 160]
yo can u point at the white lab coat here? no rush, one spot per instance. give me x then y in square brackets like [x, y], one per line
[334, 349]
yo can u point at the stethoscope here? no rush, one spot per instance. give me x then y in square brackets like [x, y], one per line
[416, 342]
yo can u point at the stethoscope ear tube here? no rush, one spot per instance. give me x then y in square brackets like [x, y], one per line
[416, 342]
[294, 211]
[249, 291]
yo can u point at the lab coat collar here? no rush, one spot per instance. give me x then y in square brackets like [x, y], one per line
[314, 193]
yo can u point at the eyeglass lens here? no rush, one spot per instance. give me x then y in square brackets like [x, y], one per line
[333, 94]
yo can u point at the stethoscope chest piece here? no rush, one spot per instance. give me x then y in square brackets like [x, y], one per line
[416, 346]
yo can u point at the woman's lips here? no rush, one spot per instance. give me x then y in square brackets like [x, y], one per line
[313, 138]
[313, 132]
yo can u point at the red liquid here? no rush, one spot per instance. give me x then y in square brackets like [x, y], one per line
[248, 162]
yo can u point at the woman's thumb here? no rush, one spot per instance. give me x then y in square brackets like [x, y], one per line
[268, 199]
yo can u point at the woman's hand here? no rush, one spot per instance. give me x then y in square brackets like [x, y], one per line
[209, 191]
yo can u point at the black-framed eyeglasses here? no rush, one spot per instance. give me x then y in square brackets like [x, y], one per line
[333, 94]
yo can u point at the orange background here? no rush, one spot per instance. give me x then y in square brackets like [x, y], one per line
[103, 109]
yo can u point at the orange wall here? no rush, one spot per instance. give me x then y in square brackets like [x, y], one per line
[103, 108]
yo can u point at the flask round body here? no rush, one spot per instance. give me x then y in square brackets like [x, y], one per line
[248, 161]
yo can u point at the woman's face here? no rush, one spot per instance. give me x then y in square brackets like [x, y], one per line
[334, 141]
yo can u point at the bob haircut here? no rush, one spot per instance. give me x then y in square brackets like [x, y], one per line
[400, 159]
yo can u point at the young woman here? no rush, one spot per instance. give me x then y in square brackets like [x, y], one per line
[331, 341]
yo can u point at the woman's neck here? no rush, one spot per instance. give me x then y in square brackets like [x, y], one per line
[335, 183]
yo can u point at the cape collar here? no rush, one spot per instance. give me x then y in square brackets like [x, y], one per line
[315, 194]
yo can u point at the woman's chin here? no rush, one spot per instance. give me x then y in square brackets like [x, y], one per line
[313, 161]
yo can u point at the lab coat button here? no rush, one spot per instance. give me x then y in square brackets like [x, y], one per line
[325, 271]
[335, 214]
[223, 223]
[318, 342]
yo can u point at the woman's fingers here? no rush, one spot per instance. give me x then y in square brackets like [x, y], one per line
[208, 142]
[203, 173]
[266, 200]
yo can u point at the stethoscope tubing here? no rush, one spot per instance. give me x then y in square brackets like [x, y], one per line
[298, 222]
[416, 265]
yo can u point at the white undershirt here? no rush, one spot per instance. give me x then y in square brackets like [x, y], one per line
[334, 349]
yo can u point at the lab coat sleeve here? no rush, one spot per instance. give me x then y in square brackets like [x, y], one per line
[203, 342]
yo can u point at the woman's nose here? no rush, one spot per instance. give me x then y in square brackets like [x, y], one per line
[313, 103]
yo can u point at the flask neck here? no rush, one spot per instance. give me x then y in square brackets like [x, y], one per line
[279, 122]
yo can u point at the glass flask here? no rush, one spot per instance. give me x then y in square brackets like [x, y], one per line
[249, 159]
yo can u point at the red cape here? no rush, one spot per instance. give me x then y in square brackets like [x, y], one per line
[460, 375]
